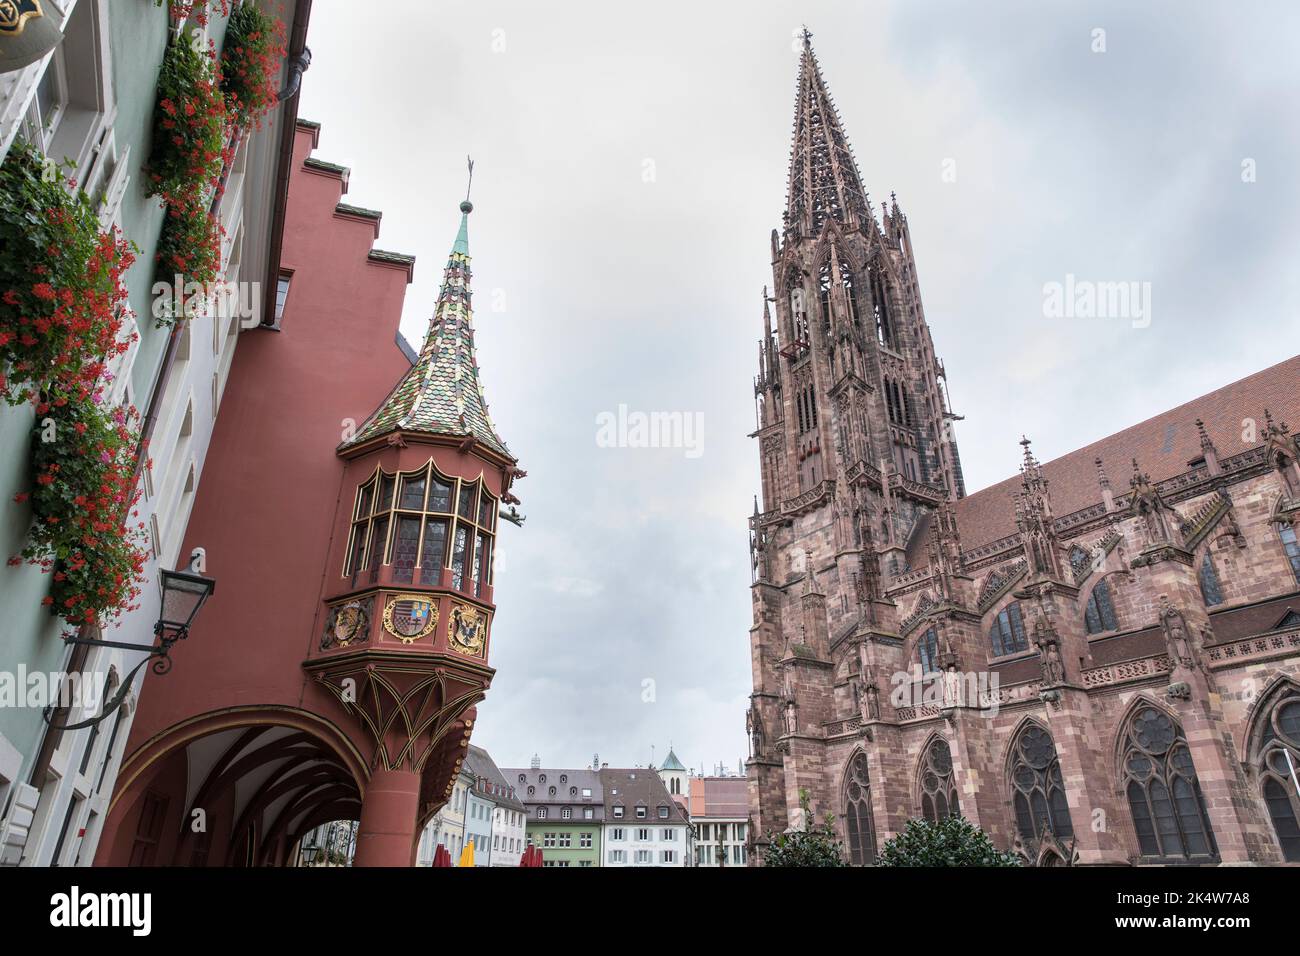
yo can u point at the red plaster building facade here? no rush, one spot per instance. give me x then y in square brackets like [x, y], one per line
[348, 514]
[1096, 661]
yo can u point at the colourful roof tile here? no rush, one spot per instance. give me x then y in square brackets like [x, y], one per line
[442, 393]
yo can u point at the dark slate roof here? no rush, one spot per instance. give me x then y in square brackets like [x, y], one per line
[634, 787]
[442, 393]
[499, 790]
[568, 785]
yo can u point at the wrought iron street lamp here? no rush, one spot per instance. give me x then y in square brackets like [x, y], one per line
[183, 594]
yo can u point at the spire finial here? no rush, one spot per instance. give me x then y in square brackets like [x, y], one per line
[807, 35]
[467, 206]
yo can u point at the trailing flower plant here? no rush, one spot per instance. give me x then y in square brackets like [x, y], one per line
[250, 64]
[191, 125]
[60, 281]
[201, 107]
[61, 301]
[83, 455]
[199, 10]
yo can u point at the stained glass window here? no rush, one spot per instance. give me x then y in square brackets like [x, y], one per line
[1278, 761]
[1209, 579]
[938, 794]
[1164, 796]
[858, 823]
[1038, 792]
[927, 651]
[1008, 633]
[1100, 613]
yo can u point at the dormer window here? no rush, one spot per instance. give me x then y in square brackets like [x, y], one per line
[406, 520]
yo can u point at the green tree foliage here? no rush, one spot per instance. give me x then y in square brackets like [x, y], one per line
[953, 841]
[814, 845]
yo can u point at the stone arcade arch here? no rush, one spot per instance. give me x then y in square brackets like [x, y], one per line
[237, 787]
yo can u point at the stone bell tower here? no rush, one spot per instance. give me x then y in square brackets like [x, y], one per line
[408, 603]
[855, 447]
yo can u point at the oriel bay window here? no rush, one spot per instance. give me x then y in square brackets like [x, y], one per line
[419, 523]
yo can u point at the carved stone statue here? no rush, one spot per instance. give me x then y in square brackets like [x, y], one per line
[871, 701]
[791, 718]
[1178, 642]
[1049, 656]
[754, 728]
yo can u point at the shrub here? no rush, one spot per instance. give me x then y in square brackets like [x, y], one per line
[953, 841]
[814, 845]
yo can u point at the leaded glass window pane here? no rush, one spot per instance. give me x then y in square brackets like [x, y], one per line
[363, 501]
[385, 501]
[406, 543]
[412, 494]
[440, 496]
[458, 557]
[468, 497]
[435, 551]
[378, 537]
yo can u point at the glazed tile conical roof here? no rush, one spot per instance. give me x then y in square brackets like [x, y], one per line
[442, 393]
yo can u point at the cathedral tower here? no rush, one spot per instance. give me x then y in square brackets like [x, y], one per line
[856, 451]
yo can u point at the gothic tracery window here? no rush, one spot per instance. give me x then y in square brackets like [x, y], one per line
[1007, 636]
[1209, 580]
[1164, 796]
[860, 829]
[1100, 613]
[880, 306]
[1292, 548]
[1277, 760]
[927, 651]
[938, 792]
[1038, 792]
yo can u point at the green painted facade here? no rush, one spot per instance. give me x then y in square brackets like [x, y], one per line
[574, 854]
[138, 37]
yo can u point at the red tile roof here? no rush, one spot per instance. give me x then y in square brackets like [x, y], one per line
[1163, 446]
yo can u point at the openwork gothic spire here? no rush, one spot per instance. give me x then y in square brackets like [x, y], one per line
[824, 180]
[442, 394]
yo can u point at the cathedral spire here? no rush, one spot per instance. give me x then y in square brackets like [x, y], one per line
[824, 180]
[442, 394]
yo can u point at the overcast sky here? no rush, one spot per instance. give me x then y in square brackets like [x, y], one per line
[630, 163]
